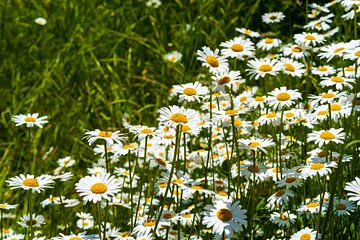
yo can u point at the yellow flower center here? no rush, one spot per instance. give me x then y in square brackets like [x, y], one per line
[30, 182]
[212, 61]
[327, 135]
[105, 134]
[98, 188]
[296, 49]
[350, 69]
[253, 169]
[75, 238]
[335, 107]
[290, 179]
[237, 47]
[231, 112]
[168, 216]
[186, 215]
[147, 131]
[284, 96]
[259, 99]
[317, 166]
[337, 79]
[323, 113]
[149, 223]
[254, 144]
[128, 146]
[283, 217]
[179, 118]
[289, 114]
[223, 80]
[328, 95]
[357, 53]
[189, 91]
[197, 187]
[222, 193]
[3, 206]
[224, 214]
[271, 115]
[305, 236]
[323, 69]
[163, 184]
[30, 119]
[247, 31]
[243, 99]
[280, 193]
[310, 37]
[312, 205]
[339, 50]
[265, 68]
[161, 161]
[269, 40]
[289, 67]
[340, 206]
[185, 128]
[178, 181]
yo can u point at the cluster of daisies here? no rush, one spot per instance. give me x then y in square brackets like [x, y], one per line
[262, 149]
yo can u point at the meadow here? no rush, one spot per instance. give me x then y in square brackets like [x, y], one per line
[179, 119]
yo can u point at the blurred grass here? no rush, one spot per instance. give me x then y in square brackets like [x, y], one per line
[94, 61]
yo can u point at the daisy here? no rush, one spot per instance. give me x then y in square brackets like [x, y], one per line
[174, 115]
[282, 219]
[6, 206]
[333, 50]
[80, 236]
[227, 78]
[256, 144]
[321, 24]
[225, 217]
[260, 68]
[350, 72]
[354, 190]
[269, 118]
[308, 39]
[109, 137]
[144, 227]
[326, 136]
[280, 197]
[30, 119]
[14, 236]
[95, 188]
[281, 97]
[212, 60]
[314, 169]
[66, 162]
[37, 220]
[295, 51]
[247, 32]
[292, 68]
[238, 47]
[268, 43]
[173, 57]
[29, 182]
[343, 207]
[290, 181]
[190, 92]
[326, 97]
[353, 54]
[337, 81]
[323, 70]
[273, 17]
[306, 233]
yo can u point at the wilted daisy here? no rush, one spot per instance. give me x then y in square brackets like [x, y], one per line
[268, 43]
[282, 219]
[260, 68]
[238, 47]
[109, 137]
[326, 136]
[338, 81]
[212, 60]
[273, 17]
[282, 96]
[97, 187]
[190, 92]
[305, 234]
[308, 39]
[173, 56]
[225, 217]
[353, 188]
[30, 119]
[29, 182]
[174, 115]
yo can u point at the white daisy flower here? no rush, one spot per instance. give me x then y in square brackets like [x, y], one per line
[338, 81]
[268, 43]
[30, 119]
[225, 217]
[306, 233]
[173, 57]
[260, 68]
[280, 198]
[292, 68]
[97, 187]
[343, 207]
[282, 219]
[315, 169]
[29, 182]
[282, 96]
[354, 190]
[174, 115]
[323, 70]
[326, 136]
[238, 47]
[212, 60]
[190, 92]
[37, 220]
[308, 39]
[256, 144]
[247, 32]
[295, 51]
[40, 21]
[273, 17]
[109, 137]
